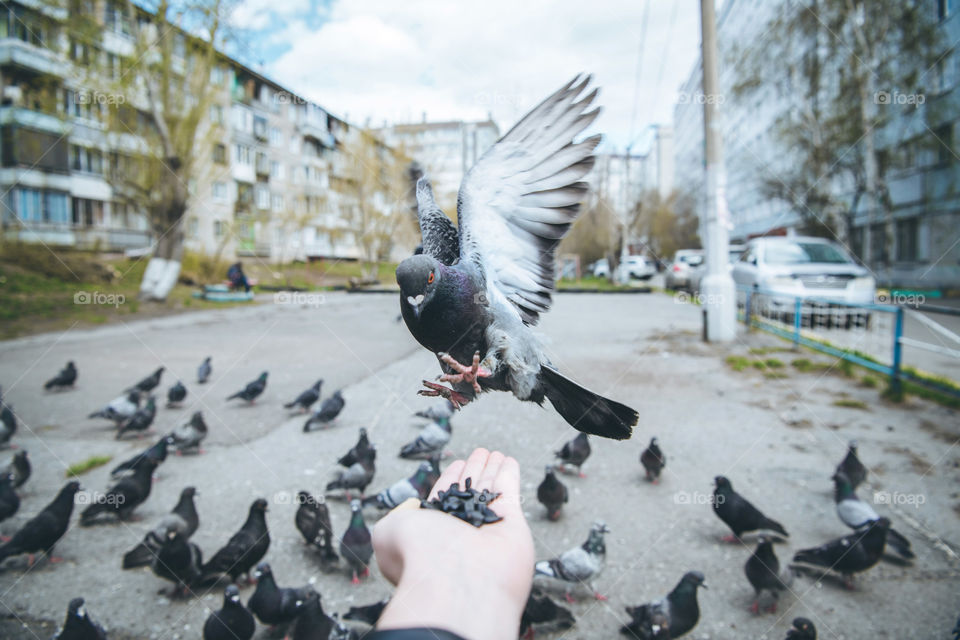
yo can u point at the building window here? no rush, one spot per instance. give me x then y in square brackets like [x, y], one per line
[276, 137]
[29, 205]
[216, 114]
[944, 8]
[242, 154]
[263, 198]
[944, 141]
[87, 213]
[218, 228]
[220, 191]
[907, 240]
[86, 160]
[276, 170]
[216, 75]
[193, 225]
[277, 202]
[219, 153]
[56, 208]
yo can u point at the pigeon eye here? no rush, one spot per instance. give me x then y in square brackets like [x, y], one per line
[430, 278]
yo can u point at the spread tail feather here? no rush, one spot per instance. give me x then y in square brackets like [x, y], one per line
[586, 411]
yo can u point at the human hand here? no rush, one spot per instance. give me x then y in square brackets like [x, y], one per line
[454, 576]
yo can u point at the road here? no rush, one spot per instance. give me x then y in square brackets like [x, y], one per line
[778, 440]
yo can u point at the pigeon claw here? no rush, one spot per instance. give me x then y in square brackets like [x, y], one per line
[600, 597]
[755, 607]
[434, 390]
[469, 374]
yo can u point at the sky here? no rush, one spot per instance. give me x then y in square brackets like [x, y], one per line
[377, 61]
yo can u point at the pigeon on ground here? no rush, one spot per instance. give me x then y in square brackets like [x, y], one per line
[313, 523]
[356, 546]
[850, 554]
[176, 394]
[44, 530]
[763, 572]
[434, 470]
[541, 610]
[851, 466]
[803, 629]
[305, 400]
[441, 409]
[140, 421]
[326, 414]
[857, 514]
[313, 623]
[738, 514]
[179, 561]
[120, 409]
[368, 614]
[156, 452]
[9, 500]
[250, 392]
[78, 625]
[359, 450]
[149, 383]
[575, 452]
[183, 520]
[66, 378]
[233, 621]
[581, 564]
[476, 292]
[432, 439]
[552, 494]
[187, 437]
[126, 495]
[653, 461]
[245, 549]
[8, 423]
[204, 371]
[274, 605]
[358, 476]
[669, 617]
[19, 469]
[416, 486]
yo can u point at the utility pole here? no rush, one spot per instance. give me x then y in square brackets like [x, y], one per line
[717, 289]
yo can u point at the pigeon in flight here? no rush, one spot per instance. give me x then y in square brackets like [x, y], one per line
[851, 466]
[313, 523]
[44, 530]
[671, 616]
[474, 293]
[120, 409]
[66, 378]
[176, 394]
[803, 629]
[305, 400]
[850, 554]
[552, 494]
[327, 413]
[149, 383]
[581, 564]
[575, 452]
[204, 371]
[140, 421]
[78, 625]
[857, 514]
[738, 514]
[763, 572]
[19, 469]
[653, 461]
[232, 622]
[250, 392]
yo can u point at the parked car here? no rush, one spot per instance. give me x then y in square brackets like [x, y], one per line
[638, 267]
[600, 268]
[678, 273]
[734, 251]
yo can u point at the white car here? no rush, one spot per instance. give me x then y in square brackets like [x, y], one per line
[638, 267]
[734, 251]
[678, 273]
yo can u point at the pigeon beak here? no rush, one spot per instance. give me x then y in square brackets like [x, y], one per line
[703, 585]
[415, 302]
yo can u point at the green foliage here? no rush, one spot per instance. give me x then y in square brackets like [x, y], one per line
[87, 465]
[668, 224]
[850, 403]
[738, 363]
[869, 381]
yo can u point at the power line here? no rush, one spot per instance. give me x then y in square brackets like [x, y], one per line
[636, 77]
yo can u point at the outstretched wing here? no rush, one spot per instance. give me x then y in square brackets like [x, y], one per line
[520, 199]
[439, 236]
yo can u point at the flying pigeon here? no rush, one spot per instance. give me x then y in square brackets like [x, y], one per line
[581, 564]
[432, 439]
[305, 400]
[575, 452]
[552, 494]
[120, 409]
[327, 413]
[183, 520]
[358, 476]
[671, 616]
[738, 514]
[179, 561]
[176, 394]
[851, 466]
[250, 392]
[359, 450]
[368, 614]
[312, 623]
[232, 622]
[19, 469]
[653, 461]
[475, 292]
[541, 610]
[78, 625]
[274, 605]
[313, 523]
[763, 571]
[123, 497]
[850, 554]
[140, 421]
[416, 486]
[45, 529]
[438, 410]
[66, 378]
[156, 452]
[204, 371]
[355, 545]
[9, 500]
[187, 437]
[245, 549]
[8, 423]
[149, 383]
[857, 514]
[802, 629]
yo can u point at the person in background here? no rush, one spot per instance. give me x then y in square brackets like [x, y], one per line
[237, 278]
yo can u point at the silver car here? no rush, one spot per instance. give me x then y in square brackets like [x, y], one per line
[678, 273]
[734, 251]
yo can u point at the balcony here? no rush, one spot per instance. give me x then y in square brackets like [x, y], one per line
[317, 132]
[17, 53]
[30, 119]
[251, 248]
[101, 239]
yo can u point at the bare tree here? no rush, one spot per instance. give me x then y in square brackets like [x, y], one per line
[668, 224]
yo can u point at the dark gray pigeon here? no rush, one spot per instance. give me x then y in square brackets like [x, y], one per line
[8, 424]
[176, 394]
[123, 497]
[739, 514]
[120, 409]
[653, 461]
[359, 450]
[670, 617]
[66, 378]
[179, 561]
[149, 383]
[274, 605]
[803, 629]
[356, 545]
[579, 565]
[183, 520]
[763, 572]
[857, 514]
[368, 613]
[232, 622]
[416, 486]
[358, 476]
[19, 469]
[204, 370]
[540, 610]
[440, 409]
[575, 453]
[78, 625]
[312, 622]
[187, 437]
[250, 392]
[140, 421]
[474, 293]
[552, 494]
[156, 452]
[244, 549]
[305, 400]
[327, 413]
[432, 439]
[851, 466]
[313, 523]
[9, 500]
[850, 554]
[42, 532]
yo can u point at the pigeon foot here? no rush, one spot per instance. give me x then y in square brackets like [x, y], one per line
[434, 390]
[730, 539]
[470, 374]
[600, 597]
[755, 607]
[568, 597]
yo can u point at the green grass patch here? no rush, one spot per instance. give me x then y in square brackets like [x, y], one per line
[762, 351]
[870, 382]
[773, 363]
[738, 363]
[775, 375]
[850, 403]
[846, 368]
[592, 282]
[90, 463]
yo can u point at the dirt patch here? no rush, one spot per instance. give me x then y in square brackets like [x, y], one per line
[940, 432]
[919, 464]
